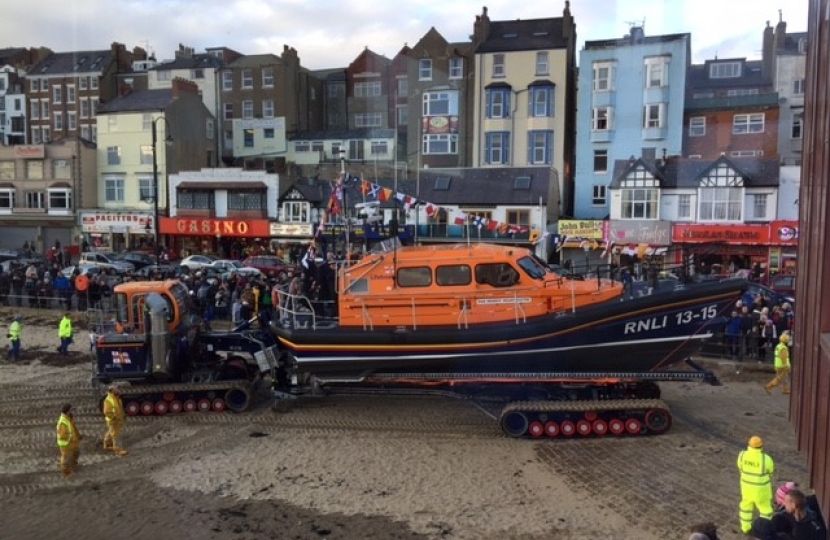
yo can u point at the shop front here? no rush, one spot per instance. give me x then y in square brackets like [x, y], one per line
[581, 243]
[639, 243]
[225, 238]
[724, 249]
[117, 231]
[783, 250]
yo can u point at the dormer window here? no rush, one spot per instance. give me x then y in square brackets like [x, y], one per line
[724, 70]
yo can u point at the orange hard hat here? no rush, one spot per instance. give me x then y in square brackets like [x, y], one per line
[756, 442]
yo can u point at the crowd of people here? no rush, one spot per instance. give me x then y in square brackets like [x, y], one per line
[755, 328]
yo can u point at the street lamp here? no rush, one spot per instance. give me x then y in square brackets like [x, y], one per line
[168, 140]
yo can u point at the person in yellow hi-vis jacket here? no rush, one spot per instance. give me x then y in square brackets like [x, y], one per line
[756, 468]
[114, 417]
[782, 365]
[65, 334]
[69, 441]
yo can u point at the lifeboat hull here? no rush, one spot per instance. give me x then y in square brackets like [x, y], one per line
[639, 335]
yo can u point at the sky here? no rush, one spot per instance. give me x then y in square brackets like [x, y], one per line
[330, 34]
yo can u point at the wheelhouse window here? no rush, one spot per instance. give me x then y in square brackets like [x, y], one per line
[496, 274]
[457, 274]
[414, 277]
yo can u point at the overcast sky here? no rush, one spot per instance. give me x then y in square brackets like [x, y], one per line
[331, 34]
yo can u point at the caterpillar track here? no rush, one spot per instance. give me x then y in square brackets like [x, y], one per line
[568, 419]
[149, 400]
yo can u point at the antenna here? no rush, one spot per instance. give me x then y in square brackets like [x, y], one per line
[632, 24]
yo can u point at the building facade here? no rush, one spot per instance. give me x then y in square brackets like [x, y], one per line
[789, 52]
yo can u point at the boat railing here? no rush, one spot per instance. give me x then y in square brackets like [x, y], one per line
[297, 310]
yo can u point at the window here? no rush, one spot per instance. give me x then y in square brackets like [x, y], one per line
[71, 121]
[247, 78]
[440, 103]
[248, 138]
[295, 211]
[302, 146]
[93, 105]
[83, 83]
[114, 189]
[746, 153]
[356, 150]
[85, 108]
[7, 170]
[45, 134]
[145, 155]
[70, 93]
[697, 126]
[403, 115]
[498, 65]
[684, 207]
[228, 111]
[35, 136]
[268, 77]
[457, 274]
[598, 198]
[35, 85]
[268, 133]
[456, 67]
[368, 120]
[35, 199]
[34, 170]
[440, 144]
[600, 161]
[197, 73]
[720, 204]
[44, 109]
[732, 92]
[196, 199]
[542, 63]
[210, 128]
[163, 75]
[113, 155]
[639, 203]
[267, 108]
[520, 218]
[541, 101]
[724, 70]
[60, 199]
[798, 87]
[653, 115]
[747, 123]
[85, 132]
[145, 189]
[7, 199]
[497, 146]
[414, 277]
[759, 206]
[57, 94]
[367, 89]
[34, 113]
[44, 85]
[247, 200]
[93, 82]
[539, 147]
[147, 122]
[601, 118]
[227, 81]
[656, 72]
[603, 73]
[498, 103]
[403, 87]
[425, 69]
[379, 148]
[317, 146]
[798, 124]
[247, 109]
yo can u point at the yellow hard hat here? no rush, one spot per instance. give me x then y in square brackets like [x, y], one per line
[785, 338]
[756, 442]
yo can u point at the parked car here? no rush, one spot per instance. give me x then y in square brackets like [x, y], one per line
[224, 267]
[139, 259]
[166, 270]
[197, 262]
[105, 260]
[271, 266]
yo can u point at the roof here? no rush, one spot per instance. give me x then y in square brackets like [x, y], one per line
[332, 74]
[628, 40]
[527, 35]
[196, 61]
[222, 185]
[752, 74]
[686, 173]
[732, 102]
[255, 60]
[73, 62]
[142, 100]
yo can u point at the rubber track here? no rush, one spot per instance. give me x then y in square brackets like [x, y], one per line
[127, 391]
[578, 406]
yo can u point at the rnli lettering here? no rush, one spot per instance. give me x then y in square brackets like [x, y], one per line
[212, 226]
[680, 318]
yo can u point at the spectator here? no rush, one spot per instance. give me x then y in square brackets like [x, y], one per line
[733, 334]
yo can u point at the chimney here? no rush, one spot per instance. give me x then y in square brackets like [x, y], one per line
[637, 34]
[123, 58]
[481, 28]
[767, 53]
[568, 29]
[181, 86]
[780, 33]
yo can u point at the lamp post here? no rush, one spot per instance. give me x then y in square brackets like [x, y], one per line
[168, 140]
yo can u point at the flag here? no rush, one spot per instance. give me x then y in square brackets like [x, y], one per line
[409, 202]
[479, 222]
[503, 228]
[384, 195]
[492, 225]
[374, 190]
[609, 246]
[534, 236]
[431, 209]
[365, 187]
[460, 218]
[562, 240]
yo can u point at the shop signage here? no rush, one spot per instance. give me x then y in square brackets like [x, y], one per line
[292, 229]
[581, 228]
[783, 233]
[29, 151]
[215, 227]
[730, 234]
[120, 222]
[439, 124]
[640, 231]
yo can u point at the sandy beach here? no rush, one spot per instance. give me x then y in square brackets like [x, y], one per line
[366, 466]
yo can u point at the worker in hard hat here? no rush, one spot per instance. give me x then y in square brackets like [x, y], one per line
[14, 338]
[756, 468]
[69, 441]
[114, 417]
[782, 365]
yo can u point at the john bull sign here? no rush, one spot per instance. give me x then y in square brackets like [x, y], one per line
[581, 228]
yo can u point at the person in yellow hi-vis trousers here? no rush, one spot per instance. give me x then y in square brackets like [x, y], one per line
[69, 441]
[756, 468]
[114, 417]
[782, 365]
